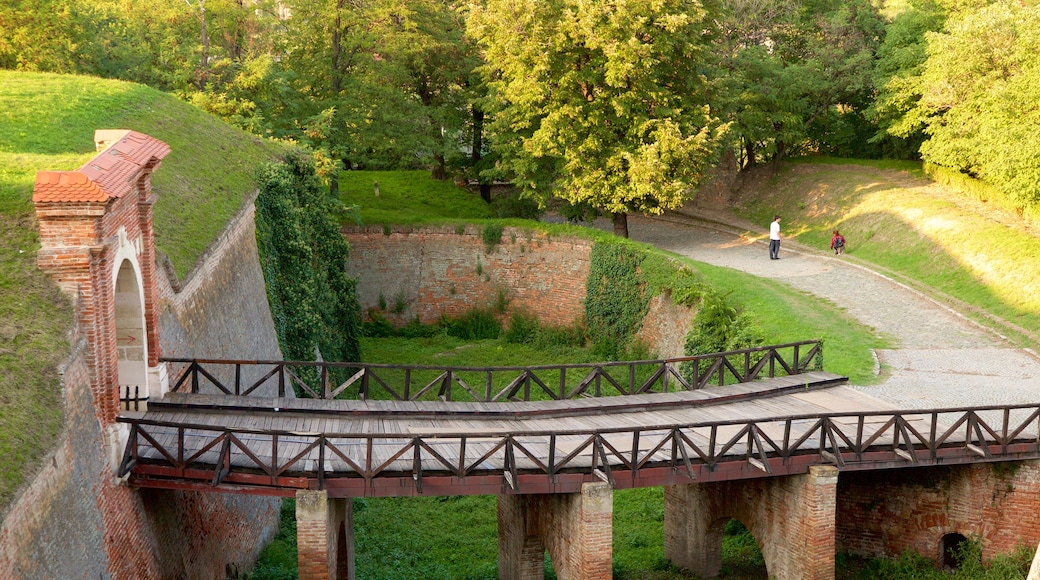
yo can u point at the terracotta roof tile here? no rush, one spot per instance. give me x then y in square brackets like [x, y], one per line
[52, 186]
[111, 173]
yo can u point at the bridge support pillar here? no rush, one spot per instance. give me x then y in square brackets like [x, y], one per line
[324, 536]
[791, 517]
[576, 529]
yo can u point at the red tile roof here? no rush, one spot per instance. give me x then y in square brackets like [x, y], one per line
[112, 173]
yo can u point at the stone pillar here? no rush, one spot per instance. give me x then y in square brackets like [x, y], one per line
[792, 518]
[324, 536]
[576, 528]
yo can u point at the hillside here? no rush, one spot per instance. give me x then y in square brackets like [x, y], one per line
[47, 122]
[980, 259]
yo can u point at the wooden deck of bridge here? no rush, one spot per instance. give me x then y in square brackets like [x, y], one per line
[399, 447]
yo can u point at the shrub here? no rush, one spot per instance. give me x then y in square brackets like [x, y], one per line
[476, 324]
[523, 327]
[511, 205]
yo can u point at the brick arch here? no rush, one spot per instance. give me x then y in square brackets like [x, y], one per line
[131, 326]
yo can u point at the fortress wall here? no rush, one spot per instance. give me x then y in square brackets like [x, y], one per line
[427, 273]
[883, 513]
[76, 520]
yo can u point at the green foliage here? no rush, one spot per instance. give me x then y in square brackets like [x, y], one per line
[278, 559]
[303, 255]
[971, 94]
[525, 328]
[512, 205]
[615, 298]
[598, 102]
[719, 326]
[912, 566]
[492, 236]
[475, 324]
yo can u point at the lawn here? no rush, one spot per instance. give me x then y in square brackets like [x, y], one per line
[982, 260]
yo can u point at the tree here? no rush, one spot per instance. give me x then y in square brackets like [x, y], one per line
[978, 102]
[796, 75]
[599, 102]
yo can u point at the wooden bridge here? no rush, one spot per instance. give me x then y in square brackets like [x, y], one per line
[545, 429]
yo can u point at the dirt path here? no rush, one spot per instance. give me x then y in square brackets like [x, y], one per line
[941, 358]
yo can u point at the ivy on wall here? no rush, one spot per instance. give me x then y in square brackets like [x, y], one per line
[615, 297]
[303, 256]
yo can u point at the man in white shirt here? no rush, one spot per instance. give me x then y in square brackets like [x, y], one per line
[774, 238]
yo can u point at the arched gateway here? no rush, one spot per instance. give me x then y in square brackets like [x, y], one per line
[97, 243]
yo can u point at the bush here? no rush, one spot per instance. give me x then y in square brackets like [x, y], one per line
[477, 324]
[523, 327]
[511, 205]
[719, 327]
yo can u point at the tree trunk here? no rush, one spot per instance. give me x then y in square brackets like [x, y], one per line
[478, 146]
[621, 224]
[440, 168]
[204, 59]
[749, 153]
[337, 74]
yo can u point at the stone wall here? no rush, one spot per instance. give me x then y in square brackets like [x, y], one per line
[883, 513]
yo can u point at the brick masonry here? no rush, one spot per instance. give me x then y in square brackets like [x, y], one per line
[427, 273]
[324, 536]
[884, 513]
[75, 519]
[791, 517]
[575, 528]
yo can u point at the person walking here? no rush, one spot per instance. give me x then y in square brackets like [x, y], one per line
[774, 238]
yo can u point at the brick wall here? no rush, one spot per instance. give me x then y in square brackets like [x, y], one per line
[883, 513]
[432, 272]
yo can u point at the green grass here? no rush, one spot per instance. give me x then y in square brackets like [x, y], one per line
[47, 122]
[977, 257]
[409, 197]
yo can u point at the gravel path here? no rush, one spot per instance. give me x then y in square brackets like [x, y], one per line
[941, 359]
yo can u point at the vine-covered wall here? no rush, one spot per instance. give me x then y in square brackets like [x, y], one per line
[303, 256]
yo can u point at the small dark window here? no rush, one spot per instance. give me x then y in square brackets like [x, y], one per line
[951, 545]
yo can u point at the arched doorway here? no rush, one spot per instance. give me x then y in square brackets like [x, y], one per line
[131, 338]
[951, 546]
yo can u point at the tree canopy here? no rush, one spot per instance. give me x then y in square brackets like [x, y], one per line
[618, 105]
[602, 103]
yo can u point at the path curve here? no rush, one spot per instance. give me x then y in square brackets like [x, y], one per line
[941, 358]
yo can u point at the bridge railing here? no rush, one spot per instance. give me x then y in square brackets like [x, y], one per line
[274, 458]
[330, 380]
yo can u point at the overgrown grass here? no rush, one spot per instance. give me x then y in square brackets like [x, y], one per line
[983, 260]
[47, 122]
[408, 197]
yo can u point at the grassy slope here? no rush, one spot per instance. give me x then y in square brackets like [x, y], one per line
[983, 261]
[47, 122]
